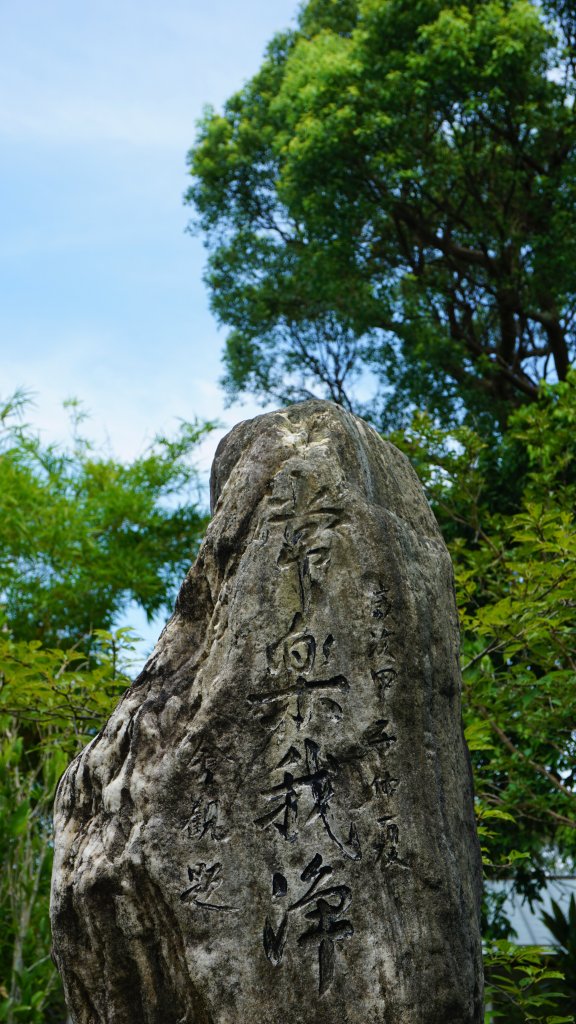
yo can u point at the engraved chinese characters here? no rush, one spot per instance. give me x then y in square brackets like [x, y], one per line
[275, 826]
[309, 698]
[321, 908]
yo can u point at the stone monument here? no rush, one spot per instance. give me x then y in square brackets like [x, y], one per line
[275, 826]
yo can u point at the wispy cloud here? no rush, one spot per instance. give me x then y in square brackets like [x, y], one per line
[125, 71]
[71, 121]
[101, 293]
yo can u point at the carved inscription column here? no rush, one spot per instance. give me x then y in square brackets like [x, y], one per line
[275, 826]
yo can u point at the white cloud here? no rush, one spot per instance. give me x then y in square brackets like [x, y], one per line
[125, 412]
[71, 121]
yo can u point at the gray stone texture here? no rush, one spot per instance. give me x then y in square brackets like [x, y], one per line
[275, 826]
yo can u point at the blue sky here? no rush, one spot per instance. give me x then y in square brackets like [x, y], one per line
[101, 289]
[101, 293]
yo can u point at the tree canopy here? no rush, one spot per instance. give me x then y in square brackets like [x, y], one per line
[83, 534]
[389, 203]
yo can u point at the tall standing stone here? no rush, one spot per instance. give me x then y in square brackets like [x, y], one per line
[275, 826]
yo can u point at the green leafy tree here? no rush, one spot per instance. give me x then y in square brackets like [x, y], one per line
[563, 928]
[523, 986]
[52, 703]
[391, 201]
[82, 536]
[508, 515]
[516, 581]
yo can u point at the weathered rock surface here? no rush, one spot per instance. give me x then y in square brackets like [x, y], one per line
[275, 826]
